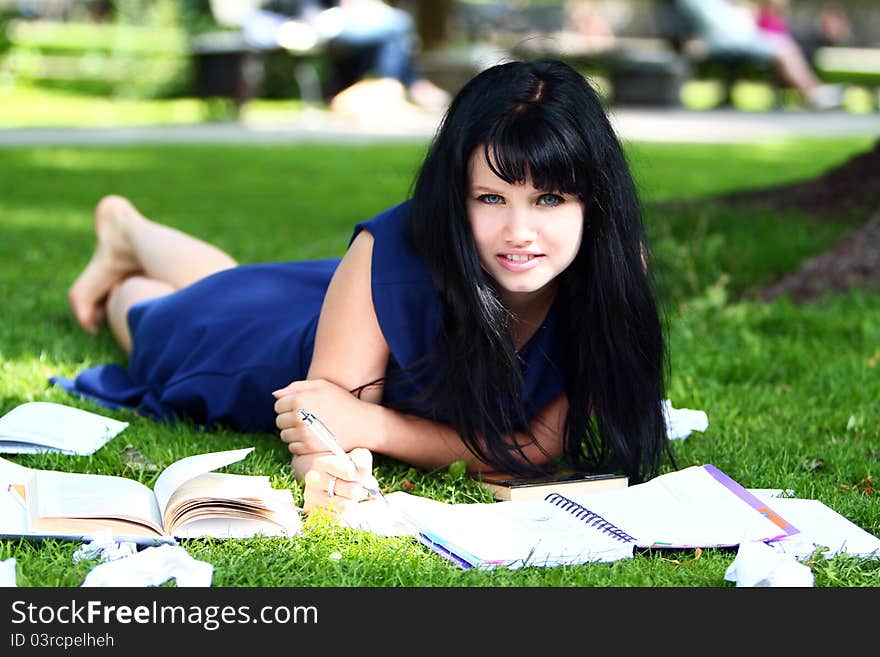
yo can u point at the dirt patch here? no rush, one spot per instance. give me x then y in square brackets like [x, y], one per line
[852, 263]
[848, 190]
[841, 194]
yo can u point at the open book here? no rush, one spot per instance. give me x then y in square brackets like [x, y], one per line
[188, 500]
[35, 427]
[698, 506]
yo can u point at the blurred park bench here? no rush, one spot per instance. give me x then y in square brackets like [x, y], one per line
[652, 55]
[641, 68]
[647, 63]
[225, 65]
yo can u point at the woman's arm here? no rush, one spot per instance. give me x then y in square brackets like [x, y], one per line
[350, 350]
[428, 444]
[420, 442]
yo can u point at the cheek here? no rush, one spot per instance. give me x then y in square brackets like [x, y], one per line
[481, 232]
[568, 236]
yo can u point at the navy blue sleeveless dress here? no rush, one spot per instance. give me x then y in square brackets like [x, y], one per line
[214, 351]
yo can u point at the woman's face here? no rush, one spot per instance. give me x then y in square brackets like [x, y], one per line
[525, 236]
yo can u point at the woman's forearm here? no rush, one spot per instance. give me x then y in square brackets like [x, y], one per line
[423, 443]
[430, 444]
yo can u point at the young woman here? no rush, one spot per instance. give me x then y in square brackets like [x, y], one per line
[503, 315]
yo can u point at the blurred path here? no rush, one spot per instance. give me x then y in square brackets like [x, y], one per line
[318, 126]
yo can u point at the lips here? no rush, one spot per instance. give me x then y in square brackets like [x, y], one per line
[517, 262]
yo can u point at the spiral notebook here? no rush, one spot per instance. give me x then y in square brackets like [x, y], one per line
[698, 506]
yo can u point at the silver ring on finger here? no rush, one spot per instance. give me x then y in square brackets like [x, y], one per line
[331, 487]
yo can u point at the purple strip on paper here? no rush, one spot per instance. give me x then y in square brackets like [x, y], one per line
[787, 528]
[445, 552]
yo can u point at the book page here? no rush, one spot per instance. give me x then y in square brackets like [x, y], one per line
[13, 514]
[187, 468]
[36, 427]
[379, 516]
[687, 508]
[236, 505]
[59, 495]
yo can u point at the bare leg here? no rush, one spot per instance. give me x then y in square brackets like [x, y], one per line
[123, 296]
[794, 68]
[127, 244]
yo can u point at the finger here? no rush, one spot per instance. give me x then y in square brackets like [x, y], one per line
[295, 387]
[318, 492]
[362, 459]
[288, 420]
[293, 435]
[351, 490]
[341, 467]
[285, 404]
[316, 495]
[300, 449]
[363, 462]
[281, 392]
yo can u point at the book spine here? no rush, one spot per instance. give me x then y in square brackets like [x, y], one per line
[588, 517]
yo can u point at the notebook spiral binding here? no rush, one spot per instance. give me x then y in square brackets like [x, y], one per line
[590, 518]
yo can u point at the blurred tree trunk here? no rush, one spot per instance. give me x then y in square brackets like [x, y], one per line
[432, 18]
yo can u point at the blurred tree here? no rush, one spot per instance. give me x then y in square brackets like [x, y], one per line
[167, 70]
[196, 16]
[432, 19]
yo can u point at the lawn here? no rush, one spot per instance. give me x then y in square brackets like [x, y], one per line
[790, 391]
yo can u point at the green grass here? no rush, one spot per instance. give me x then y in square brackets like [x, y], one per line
[23, 106]
[790, 391]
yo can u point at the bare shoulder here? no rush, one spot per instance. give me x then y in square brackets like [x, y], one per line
[361, 247]
[350, 349]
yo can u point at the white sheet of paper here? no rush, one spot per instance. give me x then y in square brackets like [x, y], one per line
[822, 526]
[151, 567]
[35, 427]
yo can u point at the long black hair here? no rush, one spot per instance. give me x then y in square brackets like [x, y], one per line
[542, 121]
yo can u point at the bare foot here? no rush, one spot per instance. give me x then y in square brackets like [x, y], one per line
[111, 262]
[374, 102]
[428, 95]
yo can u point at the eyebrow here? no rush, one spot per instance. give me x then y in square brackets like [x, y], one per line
[492, 190]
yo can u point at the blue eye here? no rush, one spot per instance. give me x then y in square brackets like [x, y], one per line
[550, 200]
[491, 199]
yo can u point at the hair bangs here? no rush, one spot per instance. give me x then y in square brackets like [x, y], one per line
[524, 146]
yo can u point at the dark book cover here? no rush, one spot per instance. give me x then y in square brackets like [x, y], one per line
[509, 487]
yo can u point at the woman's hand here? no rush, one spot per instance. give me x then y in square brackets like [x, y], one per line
[337, 483]
[350, 419]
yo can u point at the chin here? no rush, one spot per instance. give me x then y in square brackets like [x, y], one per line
[522, 288]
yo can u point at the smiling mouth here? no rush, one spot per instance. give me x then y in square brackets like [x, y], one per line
[518, 258]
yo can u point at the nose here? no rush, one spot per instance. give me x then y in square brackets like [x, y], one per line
[519, 230]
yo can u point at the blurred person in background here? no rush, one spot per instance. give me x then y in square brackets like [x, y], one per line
[587, 20]
[363, 38]
[732, 28]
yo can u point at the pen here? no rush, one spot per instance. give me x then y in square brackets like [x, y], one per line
[321, 431]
